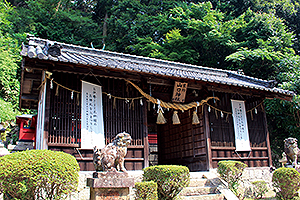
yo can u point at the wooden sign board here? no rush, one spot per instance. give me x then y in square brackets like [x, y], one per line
[179, 92]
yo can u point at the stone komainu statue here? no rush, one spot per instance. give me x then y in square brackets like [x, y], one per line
[291, 150]
[111, 157]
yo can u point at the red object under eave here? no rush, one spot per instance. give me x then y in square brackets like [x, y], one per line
[27, 125]
[152, 138]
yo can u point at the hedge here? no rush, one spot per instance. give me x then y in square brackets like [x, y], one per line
[38, 174]
[286, 182]
[170, 179]
[146, 190]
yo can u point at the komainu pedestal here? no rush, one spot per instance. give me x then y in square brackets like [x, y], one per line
[110, 185]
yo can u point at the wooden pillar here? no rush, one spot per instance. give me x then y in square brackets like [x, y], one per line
[267, 138]
[47, 114]
[145, 130]
[40, 134]
[208, 139]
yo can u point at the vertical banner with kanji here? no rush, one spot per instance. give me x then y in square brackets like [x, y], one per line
[242, 142]
[179, 92]
[92, 129]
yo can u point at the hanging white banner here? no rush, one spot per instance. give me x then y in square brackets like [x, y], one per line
[242, 142]
[92, 129]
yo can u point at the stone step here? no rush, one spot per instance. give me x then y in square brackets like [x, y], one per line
[192, 191]
[200, 182]
[204, 197]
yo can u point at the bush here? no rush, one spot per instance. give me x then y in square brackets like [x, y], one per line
[170, 179]
[231, 172]
[286, 182]
[259, 189]
[38, 174]
[146, 190]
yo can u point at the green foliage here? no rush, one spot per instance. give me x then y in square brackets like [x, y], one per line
[259, 189]
[231, 172]
[286, 182]
[8, 112]
[189, 33]
[38, 174]
[146, 190]
[263, 41]
[7, 117]
[170, 179]
[9, 57]
[58, 20]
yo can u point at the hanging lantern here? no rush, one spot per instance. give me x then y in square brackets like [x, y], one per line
[222, 115]
[209, 109]
[72, 95]
[175, 118]
[255, 110]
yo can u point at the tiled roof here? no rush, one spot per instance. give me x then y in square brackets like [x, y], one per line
[39, 48]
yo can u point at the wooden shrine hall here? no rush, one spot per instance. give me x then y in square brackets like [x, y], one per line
[201, 115]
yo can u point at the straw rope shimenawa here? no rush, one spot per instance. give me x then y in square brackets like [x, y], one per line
[174, 106]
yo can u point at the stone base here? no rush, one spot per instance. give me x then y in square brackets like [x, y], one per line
[109, 193]
[110, 185]
[24, 145]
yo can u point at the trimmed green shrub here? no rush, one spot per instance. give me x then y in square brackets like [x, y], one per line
[38, 174]
[286, 182]
[231, 172]
[170, 179]
[259, 189]
[146, 190]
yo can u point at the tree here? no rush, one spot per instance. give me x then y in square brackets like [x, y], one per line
[9, 57]
[263, 41]
[63, 21]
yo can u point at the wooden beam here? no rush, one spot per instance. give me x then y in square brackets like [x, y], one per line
[63, 145]
[32, 76]
[233, 148]
[242, 158]
[30, 97]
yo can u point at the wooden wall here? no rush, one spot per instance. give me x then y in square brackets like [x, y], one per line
[65, 119]
[222, 132]
[182, 144]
